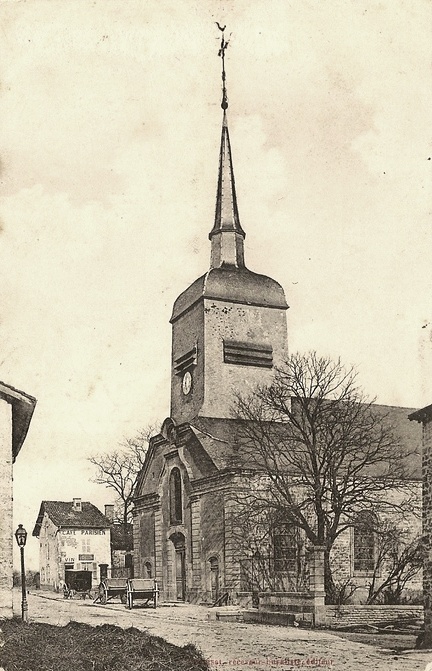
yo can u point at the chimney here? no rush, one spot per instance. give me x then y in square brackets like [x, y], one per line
[76, 505]
[109, 511]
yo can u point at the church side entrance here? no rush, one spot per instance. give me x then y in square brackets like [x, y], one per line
[178, 541]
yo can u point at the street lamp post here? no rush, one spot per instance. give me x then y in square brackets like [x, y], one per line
[21, 537]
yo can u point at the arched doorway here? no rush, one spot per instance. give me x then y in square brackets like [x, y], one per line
[214, 578]
[178, 541]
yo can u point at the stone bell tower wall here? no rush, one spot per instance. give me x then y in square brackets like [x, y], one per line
[240, 326]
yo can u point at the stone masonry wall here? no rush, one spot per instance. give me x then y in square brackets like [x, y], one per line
[345, 616]
[6, 525]
[427, 529]
[245, 323]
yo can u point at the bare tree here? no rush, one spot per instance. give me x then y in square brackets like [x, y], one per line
[399, 558]
[320, 452]
[119, 470]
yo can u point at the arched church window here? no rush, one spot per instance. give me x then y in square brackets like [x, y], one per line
[148, 570]
[364, 539]
[285, 548]
[176, 507]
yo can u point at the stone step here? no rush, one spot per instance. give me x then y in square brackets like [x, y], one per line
[269, 617]
[225, 615]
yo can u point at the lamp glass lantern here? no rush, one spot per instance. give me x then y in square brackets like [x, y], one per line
[21, 536]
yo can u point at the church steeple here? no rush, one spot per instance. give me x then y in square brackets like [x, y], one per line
[229, 329]
[227, 235]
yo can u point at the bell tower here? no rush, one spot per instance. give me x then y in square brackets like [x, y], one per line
[229, 327]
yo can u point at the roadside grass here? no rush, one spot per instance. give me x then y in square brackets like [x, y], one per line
[81, 647]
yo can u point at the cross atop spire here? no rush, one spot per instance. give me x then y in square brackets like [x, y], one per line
[227, 235]
[223, 48]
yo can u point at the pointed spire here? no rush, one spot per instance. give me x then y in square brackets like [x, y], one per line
[227, 235]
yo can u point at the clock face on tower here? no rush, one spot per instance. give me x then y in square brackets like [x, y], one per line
[187, 383]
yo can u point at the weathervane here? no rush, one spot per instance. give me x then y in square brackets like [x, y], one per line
[223, 47]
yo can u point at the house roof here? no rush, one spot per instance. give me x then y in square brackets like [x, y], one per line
[23, 406]
[122, 537]
[62, 514]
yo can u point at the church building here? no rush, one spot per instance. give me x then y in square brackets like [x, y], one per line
[229, 333]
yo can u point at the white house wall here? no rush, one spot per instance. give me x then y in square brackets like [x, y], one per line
[6, 522]
[80, 549]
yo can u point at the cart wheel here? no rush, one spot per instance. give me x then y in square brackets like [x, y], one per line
[123, 598]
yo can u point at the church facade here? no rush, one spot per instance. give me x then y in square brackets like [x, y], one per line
[229, 332]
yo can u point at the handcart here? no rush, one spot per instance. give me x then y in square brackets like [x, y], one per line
[110, 588]
[144, 589]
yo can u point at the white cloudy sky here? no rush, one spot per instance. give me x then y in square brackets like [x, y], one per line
[110, 125]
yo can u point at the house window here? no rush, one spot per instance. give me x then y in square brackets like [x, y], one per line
[285, 548]
[176, 508]
[86, 545]
[364, 542]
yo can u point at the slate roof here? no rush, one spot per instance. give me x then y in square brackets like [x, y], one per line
[218, 438]
[221, 438]
[236, 285]
[422, 415]
[62, 514]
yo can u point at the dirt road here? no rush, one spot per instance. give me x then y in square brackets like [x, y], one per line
[231, 644]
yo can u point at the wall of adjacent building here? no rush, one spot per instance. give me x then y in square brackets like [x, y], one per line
[48, 554]
[6, 519]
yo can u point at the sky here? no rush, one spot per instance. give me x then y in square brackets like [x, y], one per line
[109, 139]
